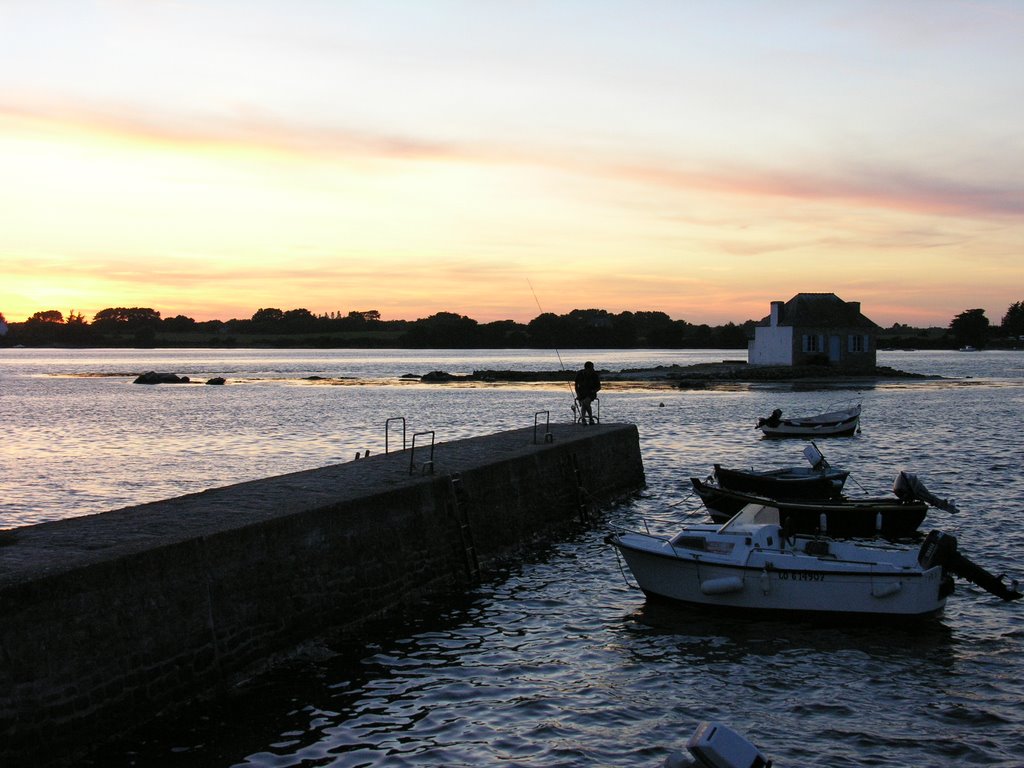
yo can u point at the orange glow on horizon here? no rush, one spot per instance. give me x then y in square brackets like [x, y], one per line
[303, 165]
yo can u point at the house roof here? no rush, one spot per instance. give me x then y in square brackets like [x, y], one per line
[821, 310]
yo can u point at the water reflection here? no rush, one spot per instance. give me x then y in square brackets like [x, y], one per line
[733, 639]
[559, 662]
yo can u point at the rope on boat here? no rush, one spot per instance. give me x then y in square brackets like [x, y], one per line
[625, 578]
[685, 498]
[857, 482]
[693, 511]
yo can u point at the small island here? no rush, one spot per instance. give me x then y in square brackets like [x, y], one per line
[700, 375]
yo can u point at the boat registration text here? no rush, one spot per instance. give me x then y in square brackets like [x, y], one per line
[800, 576]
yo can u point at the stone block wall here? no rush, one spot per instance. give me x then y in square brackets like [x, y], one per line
[109, 619]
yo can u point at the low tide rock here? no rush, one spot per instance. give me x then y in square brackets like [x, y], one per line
[153, 377]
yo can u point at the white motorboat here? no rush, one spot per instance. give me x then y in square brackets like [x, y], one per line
[841, 422]
[751, 564]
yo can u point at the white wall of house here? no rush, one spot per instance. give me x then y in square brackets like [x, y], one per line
[772, 345]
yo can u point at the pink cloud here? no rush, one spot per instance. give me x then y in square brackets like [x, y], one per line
[885, 188]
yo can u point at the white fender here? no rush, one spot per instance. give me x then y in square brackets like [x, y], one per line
[722, 586]
[886, 590]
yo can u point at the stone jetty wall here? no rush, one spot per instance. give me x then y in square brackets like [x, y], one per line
[108, 619]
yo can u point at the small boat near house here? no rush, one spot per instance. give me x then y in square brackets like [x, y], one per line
[842, 518]
[751, 565]
[818, 481]
[839, 516]
[841, 422]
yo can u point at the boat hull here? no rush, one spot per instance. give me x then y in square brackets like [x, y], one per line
[774, 583]
[843, 518]
[785, 483]
[834, 424]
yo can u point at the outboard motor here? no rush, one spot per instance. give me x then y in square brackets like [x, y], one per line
[815, 458]
[714, 745]
[908, 487]
[940, 549]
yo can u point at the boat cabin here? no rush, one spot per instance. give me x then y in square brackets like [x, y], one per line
[757, 524]
[815, 329]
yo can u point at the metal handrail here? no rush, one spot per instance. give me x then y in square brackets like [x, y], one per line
[427, 465]
[387, 431]
[548, 437]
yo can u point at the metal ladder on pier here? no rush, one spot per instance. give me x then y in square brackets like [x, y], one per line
[583, 502]
[460, 503]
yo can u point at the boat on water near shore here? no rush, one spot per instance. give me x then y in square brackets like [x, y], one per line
[841, 422]
[749, 564]
[840, 517]
[893, 516]
[818, 481]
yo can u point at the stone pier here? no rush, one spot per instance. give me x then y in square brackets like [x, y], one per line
[108, 619]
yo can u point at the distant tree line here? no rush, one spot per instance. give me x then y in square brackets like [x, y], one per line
[579, 329]
[270, 326]
[970, 328]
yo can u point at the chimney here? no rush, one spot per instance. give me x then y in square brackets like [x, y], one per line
[854, 306]
[776, 313]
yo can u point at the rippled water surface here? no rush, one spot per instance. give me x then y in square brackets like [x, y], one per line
[558, 662]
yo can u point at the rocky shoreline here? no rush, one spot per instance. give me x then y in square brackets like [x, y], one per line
[701, 374]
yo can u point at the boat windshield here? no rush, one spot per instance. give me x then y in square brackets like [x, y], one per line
[752, 514]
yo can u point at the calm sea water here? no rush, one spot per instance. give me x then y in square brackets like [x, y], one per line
[558, 662]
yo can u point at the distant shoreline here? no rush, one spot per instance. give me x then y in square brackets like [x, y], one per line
[693, 376]
[696, 375]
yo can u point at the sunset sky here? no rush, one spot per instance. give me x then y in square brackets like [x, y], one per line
[209, 158]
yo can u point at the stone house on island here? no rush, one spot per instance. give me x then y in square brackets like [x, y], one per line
[815, 329]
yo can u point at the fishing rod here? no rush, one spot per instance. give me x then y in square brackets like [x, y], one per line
[572, 389]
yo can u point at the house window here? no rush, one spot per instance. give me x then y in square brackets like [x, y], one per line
[811, 343]
[857, 343]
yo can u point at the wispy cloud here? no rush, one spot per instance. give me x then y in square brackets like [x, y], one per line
[862, 185]
[883, 188]
[243, 130]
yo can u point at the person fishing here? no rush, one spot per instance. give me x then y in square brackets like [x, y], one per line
[587, 385]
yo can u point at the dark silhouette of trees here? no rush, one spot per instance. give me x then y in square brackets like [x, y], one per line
[577, 329]
[1013, 320]
[732, 336]
[502, 334]
[544, 331]
[445, 330]
[671, 335]
[656, 329]
[48, 316]
[272, 326]
[970, 328]
[580, 329]
[299, 321]
[623, 333]
[268, 315]
[127, 317]
[366, 316]
[48, 328]
[136, 326]
[178, 324]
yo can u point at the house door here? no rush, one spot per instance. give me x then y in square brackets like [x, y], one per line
[835, 348]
